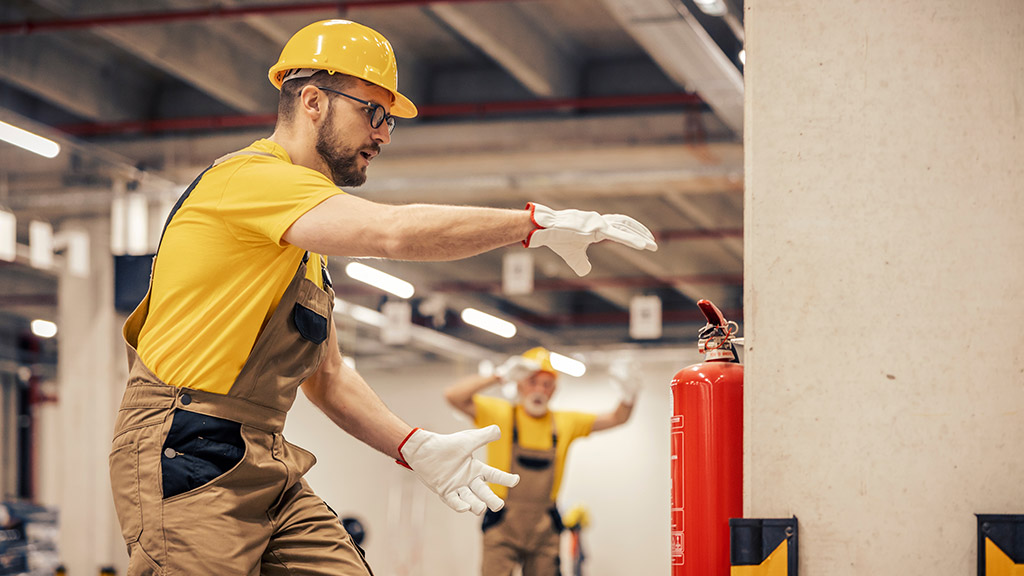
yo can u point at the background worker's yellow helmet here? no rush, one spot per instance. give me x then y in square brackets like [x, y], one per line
[542, 357]
[347, 47]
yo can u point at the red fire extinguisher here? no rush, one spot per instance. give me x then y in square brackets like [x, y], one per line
[707, 451]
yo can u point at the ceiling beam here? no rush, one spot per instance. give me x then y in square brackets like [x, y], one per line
[231, 73]
[685, 51]
[540, 63]
[66, 77]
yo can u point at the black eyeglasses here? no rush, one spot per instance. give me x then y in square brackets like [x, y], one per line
[375, 111]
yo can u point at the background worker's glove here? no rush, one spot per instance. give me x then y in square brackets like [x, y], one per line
[625, 378]
[569, 232]
[445, 464]
[516, 368]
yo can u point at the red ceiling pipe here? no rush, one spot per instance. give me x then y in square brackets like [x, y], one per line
[204, 123]
[31, 26]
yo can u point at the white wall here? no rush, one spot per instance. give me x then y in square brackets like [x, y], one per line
[620, 475]
[884, 243]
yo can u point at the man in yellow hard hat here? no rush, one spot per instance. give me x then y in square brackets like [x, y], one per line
[534, 444]
[239, 315]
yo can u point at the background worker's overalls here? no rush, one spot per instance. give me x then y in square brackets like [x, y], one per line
[526, 531]
[204, 483]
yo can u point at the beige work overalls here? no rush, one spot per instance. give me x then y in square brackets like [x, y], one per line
[526, 531]
[258, 516]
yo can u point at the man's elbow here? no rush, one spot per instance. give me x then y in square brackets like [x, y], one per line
[453, 398]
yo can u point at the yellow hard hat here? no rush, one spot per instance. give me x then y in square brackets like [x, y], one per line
[541, 356]
[577, 516]
[347, 47]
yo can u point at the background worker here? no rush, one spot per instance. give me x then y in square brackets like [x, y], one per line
[239, 315]
[534, 445]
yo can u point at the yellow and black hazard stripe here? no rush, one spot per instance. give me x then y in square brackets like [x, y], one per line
[1000, 544]
[763, 546]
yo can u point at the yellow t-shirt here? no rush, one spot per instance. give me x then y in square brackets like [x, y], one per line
[534, 434]
[222, 267]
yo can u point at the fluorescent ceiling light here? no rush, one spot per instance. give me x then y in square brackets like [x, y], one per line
[378, 279]
[712, 7]
[359, 313]
[485, 321]
[44, 328]
[8, 236]
[28, 141]
[567, 365]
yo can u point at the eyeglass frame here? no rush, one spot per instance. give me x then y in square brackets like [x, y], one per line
[373, 106]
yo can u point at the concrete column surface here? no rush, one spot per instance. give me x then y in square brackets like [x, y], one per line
[91, 378]
[884, 277]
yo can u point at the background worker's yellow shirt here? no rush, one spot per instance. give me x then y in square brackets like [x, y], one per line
[534, 434]
[222, 267]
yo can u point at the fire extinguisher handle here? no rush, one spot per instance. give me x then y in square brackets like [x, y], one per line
[711, 312]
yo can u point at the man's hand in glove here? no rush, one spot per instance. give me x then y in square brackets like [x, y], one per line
[516, 368]
[624, 376]
[445, 464]
[569, 232]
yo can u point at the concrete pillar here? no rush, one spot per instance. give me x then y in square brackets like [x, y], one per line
[91, 376]
[884, 274]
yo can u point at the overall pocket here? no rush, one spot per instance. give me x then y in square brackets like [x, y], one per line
[198, 450]
[124, 483]
[311, 325]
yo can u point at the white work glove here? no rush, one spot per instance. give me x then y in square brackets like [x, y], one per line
[516, 368]
[624, 378]
[569, 232]
[445, 464]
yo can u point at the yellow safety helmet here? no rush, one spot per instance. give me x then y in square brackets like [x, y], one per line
[347, 47]
[541, 356]
[577, 516]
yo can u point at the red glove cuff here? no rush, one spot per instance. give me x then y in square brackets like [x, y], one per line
[532, 208]
[400, 461]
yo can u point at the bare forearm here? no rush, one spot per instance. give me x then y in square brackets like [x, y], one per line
[350, 403]
[429, 232]
[615, 418]
[349, 226]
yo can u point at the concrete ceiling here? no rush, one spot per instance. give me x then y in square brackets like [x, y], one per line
[630, 106]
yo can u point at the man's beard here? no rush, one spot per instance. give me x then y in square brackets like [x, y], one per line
[340, 161]
[535, 405]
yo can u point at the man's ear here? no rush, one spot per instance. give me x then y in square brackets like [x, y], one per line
[312, 102]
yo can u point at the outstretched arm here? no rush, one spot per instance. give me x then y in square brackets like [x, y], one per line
[342, 394]
[346, 225]
[442, 462]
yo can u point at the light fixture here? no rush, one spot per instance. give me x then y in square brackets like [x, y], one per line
[567, 365]
[28, 141]
[40, 243]
[743, 57]
[8, 236]
[712, 7]
[485, 321]
[378, 279]
[359, 313]
[44, 328]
